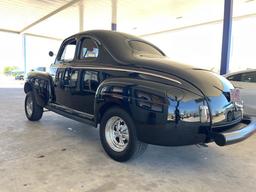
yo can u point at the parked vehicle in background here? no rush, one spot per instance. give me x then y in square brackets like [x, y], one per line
[246, 82]
[136, 95]
[41, 69]
[18, 75]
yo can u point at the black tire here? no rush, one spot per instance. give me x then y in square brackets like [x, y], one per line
[36, 111]
[133, 148]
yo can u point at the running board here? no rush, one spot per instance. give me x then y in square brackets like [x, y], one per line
[72, 114]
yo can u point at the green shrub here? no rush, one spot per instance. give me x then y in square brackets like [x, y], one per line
[8, 69]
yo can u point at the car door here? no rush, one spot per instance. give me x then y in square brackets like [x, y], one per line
[64, 60]
[246, 82]
[88, 58]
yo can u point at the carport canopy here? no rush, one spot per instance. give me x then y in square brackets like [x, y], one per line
[57, 19]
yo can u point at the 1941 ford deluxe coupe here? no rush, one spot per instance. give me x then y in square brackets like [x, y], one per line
[136, 95]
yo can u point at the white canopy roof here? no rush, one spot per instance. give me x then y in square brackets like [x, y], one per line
[60, 18]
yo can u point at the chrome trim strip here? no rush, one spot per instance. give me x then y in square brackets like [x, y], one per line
[126, 70]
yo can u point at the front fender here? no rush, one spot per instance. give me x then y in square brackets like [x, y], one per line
[41, 84]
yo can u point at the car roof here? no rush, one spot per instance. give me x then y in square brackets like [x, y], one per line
[115, 43]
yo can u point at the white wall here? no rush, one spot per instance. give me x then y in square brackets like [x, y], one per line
[201, 46]
[243, 53]
[10, 50]
[11, 53]
[38, 51]
[198, 46]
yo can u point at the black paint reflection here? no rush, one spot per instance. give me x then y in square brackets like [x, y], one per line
[183, 108]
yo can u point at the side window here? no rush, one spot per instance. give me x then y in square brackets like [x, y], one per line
[236, 77]
[68, 53]
[89, 49]
[249, 77]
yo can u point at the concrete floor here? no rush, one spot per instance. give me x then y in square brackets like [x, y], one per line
[58, 155]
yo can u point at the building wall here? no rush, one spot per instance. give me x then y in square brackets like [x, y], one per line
[201, 46]
[10, 50]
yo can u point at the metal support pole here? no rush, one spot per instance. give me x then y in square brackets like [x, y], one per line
[114, 15]
[24, 51]
[226, 38]
[81, 16]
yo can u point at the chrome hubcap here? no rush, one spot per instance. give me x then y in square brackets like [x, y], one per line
[29, 106]
[117, 134]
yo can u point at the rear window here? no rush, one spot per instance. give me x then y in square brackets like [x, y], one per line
[144, 49]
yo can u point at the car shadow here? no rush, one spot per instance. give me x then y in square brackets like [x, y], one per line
[191, 157]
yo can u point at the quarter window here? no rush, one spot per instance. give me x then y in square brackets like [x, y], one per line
[89, 49]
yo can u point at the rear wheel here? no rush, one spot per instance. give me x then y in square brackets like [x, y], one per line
[118, 135]
[33, 111]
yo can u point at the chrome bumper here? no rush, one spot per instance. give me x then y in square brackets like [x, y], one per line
[235, 134]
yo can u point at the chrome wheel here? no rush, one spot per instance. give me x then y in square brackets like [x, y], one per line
[117, 134]
[29, 106]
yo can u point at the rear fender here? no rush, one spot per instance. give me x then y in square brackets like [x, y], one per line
[130, 95]
[163, 114]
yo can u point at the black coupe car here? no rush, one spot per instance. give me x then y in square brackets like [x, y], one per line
[136, 96]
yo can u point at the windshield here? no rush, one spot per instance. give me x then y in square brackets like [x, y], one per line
[144, 49]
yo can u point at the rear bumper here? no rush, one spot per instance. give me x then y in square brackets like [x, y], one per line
[235, 134]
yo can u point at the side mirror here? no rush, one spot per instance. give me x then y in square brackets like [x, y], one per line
[51, 53]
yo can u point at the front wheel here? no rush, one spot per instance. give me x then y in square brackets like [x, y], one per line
[118, 135]
[33, 111]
